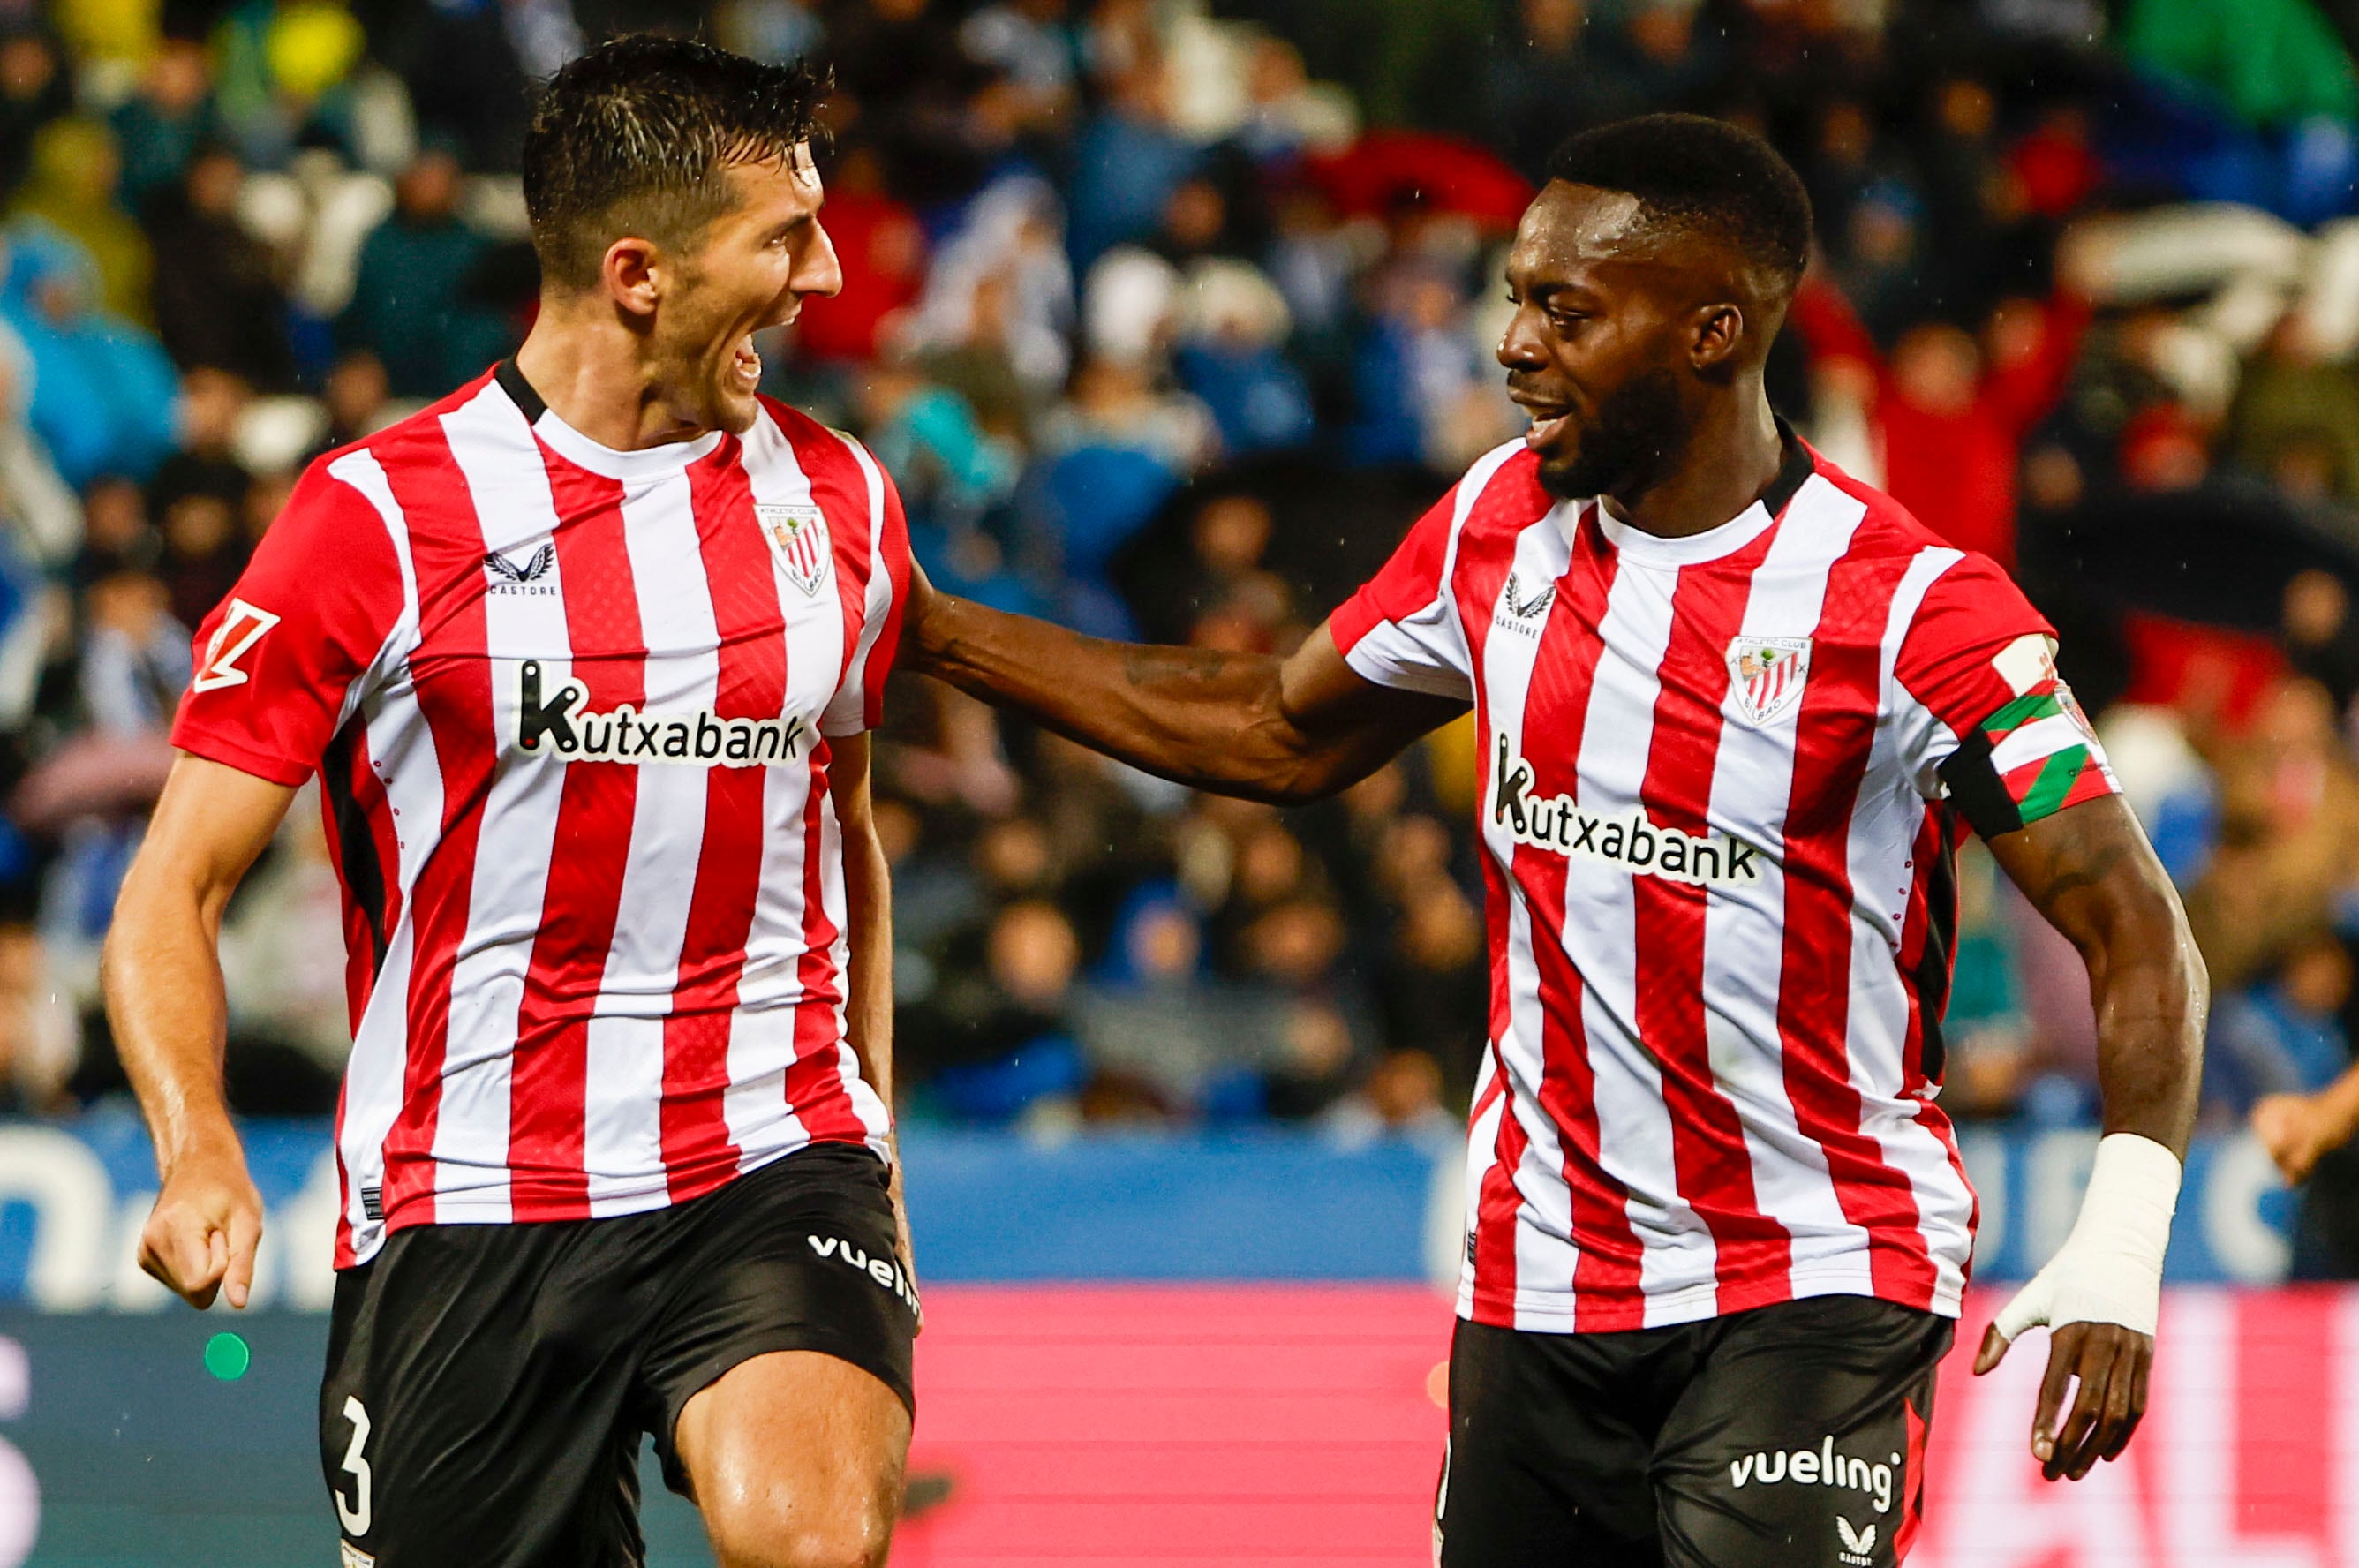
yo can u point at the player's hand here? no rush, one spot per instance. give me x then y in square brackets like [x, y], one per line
[199, 1237]
[2294, 1130]
[2113, 1364]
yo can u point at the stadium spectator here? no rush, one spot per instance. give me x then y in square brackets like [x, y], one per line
[35, 88]
[164, 123]
[72, 189]
[414, 303]
[103, 390]
[220, 303]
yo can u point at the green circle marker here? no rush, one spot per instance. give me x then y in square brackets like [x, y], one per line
[227, 1358]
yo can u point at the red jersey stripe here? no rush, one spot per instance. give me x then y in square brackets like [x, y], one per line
[453, 692]
[588, 857]
[1606, 1278]
[815, 1081]
[1497, 1201]
[1839, 708]
[697, 1147]
[1714, 1166]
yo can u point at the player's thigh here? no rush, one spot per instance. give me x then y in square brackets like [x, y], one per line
[461, 1421]
[795, 1458]
[778, 1379]
[1546, 1465]
[1800, 1443]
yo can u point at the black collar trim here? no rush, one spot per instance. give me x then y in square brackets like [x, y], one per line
[1792, 473]
[521, 393]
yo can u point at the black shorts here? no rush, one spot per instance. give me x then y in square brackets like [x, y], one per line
[1790, 1436]
[487, 1384]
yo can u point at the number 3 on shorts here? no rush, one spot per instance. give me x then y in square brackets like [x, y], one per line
[355, 1514]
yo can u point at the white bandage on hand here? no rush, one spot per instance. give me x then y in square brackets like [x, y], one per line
[2110, 1268]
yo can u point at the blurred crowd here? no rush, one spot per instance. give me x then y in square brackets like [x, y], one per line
[1168, 316]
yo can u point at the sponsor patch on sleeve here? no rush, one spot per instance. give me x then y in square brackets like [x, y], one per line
[2033, 757]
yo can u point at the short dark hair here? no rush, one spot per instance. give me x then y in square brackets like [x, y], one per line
[1703, 173]
[632, 137]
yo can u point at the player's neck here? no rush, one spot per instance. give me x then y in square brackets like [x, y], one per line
[1734, 456]
[596, 378]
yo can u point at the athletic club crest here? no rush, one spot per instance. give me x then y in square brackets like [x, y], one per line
[797, 536]
[1765, 674]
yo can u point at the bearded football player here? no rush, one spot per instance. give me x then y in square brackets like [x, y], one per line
[1734, 709]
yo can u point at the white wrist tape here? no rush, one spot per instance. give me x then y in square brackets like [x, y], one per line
[2110, 1268]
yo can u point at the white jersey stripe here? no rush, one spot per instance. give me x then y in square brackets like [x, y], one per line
[1428, 651]
[1601, 923]
[762, 1030]
[1752, 780]
[1545, 1255]
[623, 1142]
[516, 515]
[1482, 1141]
[866, 1105]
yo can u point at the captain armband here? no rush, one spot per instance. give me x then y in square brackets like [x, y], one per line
[2030, 760]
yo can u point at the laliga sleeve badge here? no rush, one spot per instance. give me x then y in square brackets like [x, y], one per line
[242, 627]
[798, 538]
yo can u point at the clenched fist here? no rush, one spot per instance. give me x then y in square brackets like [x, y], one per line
[199, 1238]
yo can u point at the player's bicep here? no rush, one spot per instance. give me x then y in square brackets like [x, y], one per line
[2091, 873]
[1353, 724]
[209, 825]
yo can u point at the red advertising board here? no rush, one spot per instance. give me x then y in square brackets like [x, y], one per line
[1198, 1425]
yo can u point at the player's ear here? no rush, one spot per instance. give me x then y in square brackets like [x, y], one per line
[632, 270]
[1719, 331]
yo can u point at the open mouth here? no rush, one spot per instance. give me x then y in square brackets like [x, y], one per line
[1549, 421]
[745, 365]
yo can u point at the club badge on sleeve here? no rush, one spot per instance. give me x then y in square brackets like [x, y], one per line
[798, 536]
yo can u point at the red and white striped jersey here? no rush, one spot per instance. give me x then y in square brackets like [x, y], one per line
[571, 710]
[1721, 779]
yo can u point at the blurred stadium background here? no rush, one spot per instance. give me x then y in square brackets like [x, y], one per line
[1169, 315]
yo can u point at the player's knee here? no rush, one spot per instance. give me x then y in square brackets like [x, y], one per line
[774, 1533]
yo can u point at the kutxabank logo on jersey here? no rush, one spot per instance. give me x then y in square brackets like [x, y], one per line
[563, 726]
[1625, 839]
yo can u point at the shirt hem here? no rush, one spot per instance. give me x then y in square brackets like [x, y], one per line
[1559, 1312]
[230, 754]
[464, 1208]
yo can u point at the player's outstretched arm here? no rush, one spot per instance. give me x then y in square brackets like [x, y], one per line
[2090, 870]
[1251, 724]
[164, 998]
